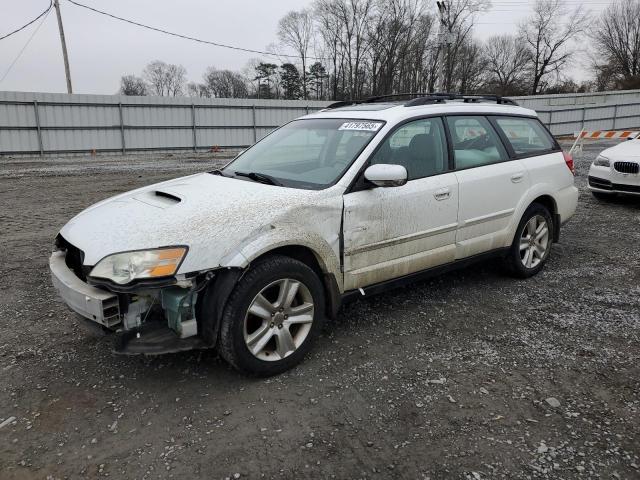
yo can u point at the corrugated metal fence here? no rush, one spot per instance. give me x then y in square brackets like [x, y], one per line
[56, 123]
[41, 123]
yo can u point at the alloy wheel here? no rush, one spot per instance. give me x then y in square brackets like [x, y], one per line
[534, 242]
[278, 319]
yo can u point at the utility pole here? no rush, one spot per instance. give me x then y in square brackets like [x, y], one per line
[64, 47]
[444, 31]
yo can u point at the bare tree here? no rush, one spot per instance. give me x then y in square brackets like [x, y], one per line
[470, 67]
[132, 85]
[458, 18]
[506, 60]
[176, 79]
[165, 79]
[617, 38]
[225, 84]
[349, 20]
[549, 33]
[295, 30]
[195, 89]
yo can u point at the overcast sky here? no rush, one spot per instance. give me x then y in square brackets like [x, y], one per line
[102, 49]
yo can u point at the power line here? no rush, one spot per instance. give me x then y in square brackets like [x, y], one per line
[187, 37]
[45, 12]
[33, 34]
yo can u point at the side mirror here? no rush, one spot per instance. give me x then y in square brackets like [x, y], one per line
[383, 175]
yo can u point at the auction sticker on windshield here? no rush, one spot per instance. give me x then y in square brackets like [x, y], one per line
[361, 126]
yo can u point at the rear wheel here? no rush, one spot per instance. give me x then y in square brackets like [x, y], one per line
[272, 317]
[532, 244]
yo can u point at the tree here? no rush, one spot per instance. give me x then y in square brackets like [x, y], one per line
[176, 79]
[225, 84]
[506, 62]
[317, 75]
[132, 85]
[266, 72]
[548, 33]
[290, 81]
[457, 18]
[470, 67]
[165, 79]
[348, 20]
[295, 30]
[617, 39]
[195, 89]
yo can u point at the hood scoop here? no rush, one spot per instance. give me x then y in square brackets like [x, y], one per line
[169, 196]
[158, 199]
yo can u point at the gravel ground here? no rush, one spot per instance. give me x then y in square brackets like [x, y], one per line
[472, 375]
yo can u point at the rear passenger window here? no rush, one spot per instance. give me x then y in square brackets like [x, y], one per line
[475, 142]
[525, 135]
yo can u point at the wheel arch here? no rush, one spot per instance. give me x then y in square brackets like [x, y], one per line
[313, 260]
[550, 204]
[541, 195]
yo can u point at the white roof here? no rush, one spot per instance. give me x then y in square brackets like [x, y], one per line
[398, 112]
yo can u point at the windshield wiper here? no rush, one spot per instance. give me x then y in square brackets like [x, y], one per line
[259, 177]
[217, 172]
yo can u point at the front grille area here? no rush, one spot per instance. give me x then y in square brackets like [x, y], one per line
[74, 258]
[627, 167]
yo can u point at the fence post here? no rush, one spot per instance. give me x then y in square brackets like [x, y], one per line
[193, 127]
[584, 115]
[550, 117]
[615, 116]
[307, 109]
[37, 115]
[122, 140]
[255, 126]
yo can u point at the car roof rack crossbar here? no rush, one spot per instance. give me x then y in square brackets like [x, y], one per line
[438, 97]
[426, 99]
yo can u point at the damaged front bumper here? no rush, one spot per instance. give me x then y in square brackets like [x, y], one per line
[149, 321]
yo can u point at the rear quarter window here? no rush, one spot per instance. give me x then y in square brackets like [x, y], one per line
[526, 135]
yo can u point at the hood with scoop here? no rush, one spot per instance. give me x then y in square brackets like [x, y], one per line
[211, 215]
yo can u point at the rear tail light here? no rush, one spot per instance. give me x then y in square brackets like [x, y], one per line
[568, 159]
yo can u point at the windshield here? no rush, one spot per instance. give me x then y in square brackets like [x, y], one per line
[311, 154]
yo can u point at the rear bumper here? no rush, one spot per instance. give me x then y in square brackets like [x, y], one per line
[567, 202]
[93, 303]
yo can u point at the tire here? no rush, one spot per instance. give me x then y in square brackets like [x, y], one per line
[527, 256]
[603, 197]
[265, 328]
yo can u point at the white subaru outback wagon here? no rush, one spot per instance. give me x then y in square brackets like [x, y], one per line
[347, 201]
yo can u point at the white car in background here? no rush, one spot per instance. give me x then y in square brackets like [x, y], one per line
[348, 201]
[616, 170]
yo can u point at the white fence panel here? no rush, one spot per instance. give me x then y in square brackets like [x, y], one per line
[59, 123]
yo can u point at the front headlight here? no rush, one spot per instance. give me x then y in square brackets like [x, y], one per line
[123, 268]
[602, 162]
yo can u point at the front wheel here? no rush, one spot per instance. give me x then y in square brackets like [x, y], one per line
[532, 244]
[272, 317]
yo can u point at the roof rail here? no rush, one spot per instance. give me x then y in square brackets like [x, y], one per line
[439, 97]
[426, 99]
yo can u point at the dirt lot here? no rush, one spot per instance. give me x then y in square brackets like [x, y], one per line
[444, 379]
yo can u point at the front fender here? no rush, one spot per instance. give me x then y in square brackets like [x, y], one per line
[316, 227]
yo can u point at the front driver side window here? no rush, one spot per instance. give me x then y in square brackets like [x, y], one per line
[419, 146]
[475, 142]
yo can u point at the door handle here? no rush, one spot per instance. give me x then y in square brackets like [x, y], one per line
[442, 194]
[517, 178]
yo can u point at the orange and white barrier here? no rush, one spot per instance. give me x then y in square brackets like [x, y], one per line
[606, 134]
